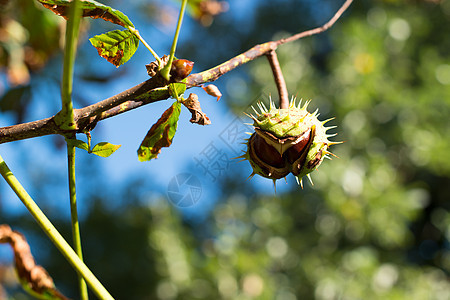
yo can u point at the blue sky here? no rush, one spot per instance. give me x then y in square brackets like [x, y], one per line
[37, 158]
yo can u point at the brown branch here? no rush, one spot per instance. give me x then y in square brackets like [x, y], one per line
[259, 50]
[29, 130]
[214, 73]
[279, 79]
[87, 117]
[144, 93]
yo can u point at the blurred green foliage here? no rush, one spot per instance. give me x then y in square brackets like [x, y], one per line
[376, 225]
[29, 37]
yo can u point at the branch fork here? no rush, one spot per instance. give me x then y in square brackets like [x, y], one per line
[87, 117]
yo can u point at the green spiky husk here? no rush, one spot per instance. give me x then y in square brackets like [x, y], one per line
[314, 158]
[283, 129]
[292, 121]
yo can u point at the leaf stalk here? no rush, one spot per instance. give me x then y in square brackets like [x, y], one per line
[165, 72]
[74, 216]
[66, 116]
[136, 33]
[53, 233]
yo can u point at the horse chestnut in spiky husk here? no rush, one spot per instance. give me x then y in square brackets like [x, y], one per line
[287, 141]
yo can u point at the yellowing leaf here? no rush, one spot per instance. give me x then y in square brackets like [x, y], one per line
[160, 134]
[117, 46]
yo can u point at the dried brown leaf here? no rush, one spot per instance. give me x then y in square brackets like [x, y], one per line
[213, 7]
[152, 68]
[193, 105]
[115, 60]
[208, 9]
[212, 90]
[34, 277]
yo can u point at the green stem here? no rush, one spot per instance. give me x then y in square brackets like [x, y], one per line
[66, 116]
[173, 92]
[165, 72]
[88, 135]
[52, 233]
[136, 33]
[74, 216]
[67, 122]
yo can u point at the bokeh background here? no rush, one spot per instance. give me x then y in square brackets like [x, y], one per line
[376, 223]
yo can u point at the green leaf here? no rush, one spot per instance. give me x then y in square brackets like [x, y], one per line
[104, 149]
[177, 89]
[91, 9]
[117, 46]
[161, 134]
[77, 143]
[164, 92]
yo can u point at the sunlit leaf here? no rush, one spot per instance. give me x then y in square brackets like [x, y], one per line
[177, 89]
[164, 92]
[104, 149]
[91, 9]
[117, 46]
[77, 143]
[160, 134]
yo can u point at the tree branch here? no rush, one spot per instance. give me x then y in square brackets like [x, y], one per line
[214, 73]
[279, 79]
[320, 29]
[146, 92]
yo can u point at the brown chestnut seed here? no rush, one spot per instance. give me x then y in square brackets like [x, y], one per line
[181, 68]
[280, 144]
[267, 153]
[273, 166]
[294, 152]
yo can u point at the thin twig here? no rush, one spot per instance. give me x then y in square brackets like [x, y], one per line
[279, 79]
[141, 94]
[320, 29]
[214, 73]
